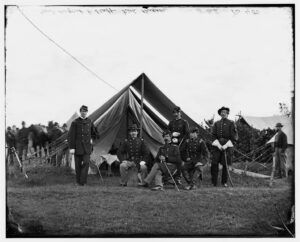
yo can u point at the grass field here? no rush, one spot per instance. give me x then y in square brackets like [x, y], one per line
[49, 198]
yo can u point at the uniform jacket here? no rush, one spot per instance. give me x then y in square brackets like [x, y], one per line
[10, 139]
[195, 149]
[224, 130]
[133, 150]
[281, 141]
[23, 136]
[80, 134]
[181, 126]
[171, 152]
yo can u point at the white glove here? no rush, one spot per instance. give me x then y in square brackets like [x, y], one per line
[175, 134]
[142, 163]
[162, 158]
[227, 145]
[216, 143]
[92, 141]
[72, 151]
[175, 140]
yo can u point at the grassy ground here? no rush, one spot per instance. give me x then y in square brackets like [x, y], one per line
[50, 198]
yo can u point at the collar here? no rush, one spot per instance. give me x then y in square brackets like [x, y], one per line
[83, 118]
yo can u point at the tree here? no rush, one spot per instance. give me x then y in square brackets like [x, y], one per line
[284, 110]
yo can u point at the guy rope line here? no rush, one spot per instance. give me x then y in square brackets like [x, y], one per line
[64, 50]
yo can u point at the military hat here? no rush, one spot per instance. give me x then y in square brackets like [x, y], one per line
[133, 127]
[195, 130]
[83, 108]
[223, 108]
[23, 122]
[279, 125]
[176, 109]
[166, 132]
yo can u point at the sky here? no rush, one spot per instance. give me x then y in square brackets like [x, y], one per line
[201, 58]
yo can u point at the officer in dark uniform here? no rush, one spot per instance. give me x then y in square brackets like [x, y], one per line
[195, 156]
[168, 155]
[11, 143]
[178, 127]
[22, 141]
[133, 154]
[80, 137]
[225, 135]
[180, 131]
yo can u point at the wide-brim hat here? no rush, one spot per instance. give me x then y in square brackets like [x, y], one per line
[176, 109]
[84, 108]
[223, 108]
[133, 127]
[279, 125]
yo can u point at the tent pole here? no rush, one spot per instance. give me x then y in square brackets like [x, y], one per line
[142, 106]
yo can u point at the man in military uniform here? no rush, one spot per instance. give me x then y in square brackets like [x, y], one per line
[11, 143]
[280, 146]
[133, 154]
[225, 135]
[22, 141]
[168, 155]
[178, 127]
[80, 138]
[195, 156]
[180, 131]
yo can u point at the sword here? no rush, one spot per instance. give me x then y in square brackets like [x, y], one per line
[225, 154]
[171, 176]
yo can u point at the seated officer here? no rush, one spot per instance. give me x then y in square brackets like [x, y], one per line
[132, 154]
[167, 160]
[195, 156]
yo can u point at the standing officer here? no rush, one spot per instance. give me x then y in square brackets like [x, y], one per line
[168, 155]
[224, 134]
[22, 141]
[132, 154]
[280, 146]
[195, 156]
[80, 137]
[179, 129]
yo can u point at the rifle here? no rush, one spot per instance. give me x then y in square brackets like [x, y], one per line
[20, 164]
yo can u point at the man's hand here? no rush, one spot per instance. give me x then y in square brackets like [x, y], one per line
[92, 142]
[162, 158]
[72, 151]
[175, 134]
[217, 144]
[142, 163]
[188, 159]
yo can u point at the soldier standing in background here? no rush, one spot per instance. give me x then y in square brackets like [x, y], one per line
[179, 129]
[22, 141]
[280, 146]
[80, 137]
[225, 135]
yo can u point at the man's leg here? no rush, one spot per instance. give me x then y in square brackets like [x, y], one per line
[144, 172]
[78, 161]
[277, 164]
[158, 179]
[283, 164]
[224, 174]
[85, 168]
[186, 172]
[152, 174]
[216, 155]
[124, 166]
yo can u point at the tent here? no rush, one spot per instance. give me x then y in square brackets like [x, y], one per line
[123, 109]
[261, 123]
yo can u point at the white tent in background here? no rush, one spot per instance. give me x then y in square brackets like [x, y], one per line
[261, 123]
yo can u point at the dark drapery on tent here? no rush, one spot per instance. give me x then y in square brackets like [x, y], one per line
[123, 109]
